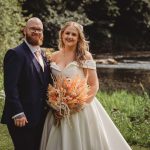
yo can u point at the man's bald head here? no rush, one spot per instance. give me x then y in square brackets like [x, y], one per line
[34, 20]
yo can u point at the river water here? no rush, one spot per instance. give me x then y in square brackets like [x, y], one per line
[131, 75]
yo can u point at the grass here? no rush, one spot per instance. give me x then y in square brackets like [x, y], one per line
[5, 140]
[139, 148]
[130, 112]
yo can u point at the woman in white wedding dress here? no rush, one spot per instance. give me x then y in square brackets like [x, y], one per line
[90, 128]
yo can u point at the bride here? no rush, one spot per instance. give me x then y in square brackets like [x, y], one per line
[90, 128]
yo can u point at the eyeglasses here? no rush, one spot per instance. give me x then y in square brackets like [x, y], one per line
[36, 30]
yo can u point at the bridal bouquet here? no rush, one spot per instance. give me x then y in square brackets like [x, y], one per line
[67, 96]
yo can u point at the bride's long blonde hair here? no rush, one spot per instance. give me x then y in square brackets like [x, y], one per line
[82, 45]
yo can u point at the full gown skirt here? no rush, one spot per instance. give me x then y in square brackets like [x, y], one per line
[89, 129]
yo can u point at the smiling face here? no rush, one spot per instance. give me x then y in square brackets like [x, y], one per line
[34, 32]
[70, 37]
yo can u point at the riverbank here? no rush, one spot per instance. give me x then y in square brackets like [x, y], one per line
[131, 72]
[134, 55]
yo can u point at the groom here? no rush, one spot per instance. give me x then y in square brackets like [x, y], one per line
[26, 77]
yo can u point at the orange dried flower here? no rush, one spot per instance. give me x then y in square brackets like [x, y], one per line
[67, 95]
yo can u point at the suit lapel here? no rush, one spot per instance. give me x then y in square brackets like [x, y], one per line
[34, 61]
[38, 68]
[44, 61]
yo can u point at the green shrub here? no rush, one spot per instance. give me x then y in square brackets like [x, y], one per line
[11, 22]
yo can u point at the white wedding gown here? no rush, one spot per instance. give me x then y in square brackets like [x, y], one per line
[90, 129]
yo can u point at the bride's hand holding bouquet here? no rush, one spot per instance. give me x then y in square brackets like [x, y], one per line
[67, 96]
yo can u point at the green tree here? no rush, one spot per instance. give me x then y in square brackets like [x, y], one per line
[118, 25]
[111, 25]
[11, 22]
[132, 27]
[54, 14]
[103, 14]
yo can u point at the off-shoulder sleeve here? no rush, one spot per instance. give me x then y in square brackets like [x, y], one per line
[90, 64]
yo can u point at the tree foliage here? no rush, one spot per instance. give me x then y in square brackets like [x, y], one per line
[110, 24]
[132, 27]
[54, 14]
[11, 21]
[134, 15]
[120, 25]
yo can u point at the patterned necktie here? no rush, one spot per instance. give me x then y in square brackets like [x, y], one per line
[39, 58]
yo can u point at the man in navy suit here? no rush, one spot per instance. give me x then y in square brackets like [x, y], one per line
[25, 83]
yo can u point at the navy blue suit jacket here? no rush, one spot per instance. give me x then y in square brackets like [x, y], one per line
[25, 85]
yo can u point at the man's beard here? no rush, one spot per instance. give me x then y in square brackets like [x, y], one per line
[34, 41]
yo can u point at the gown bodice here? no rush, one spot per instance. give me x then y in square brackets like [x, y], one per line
[72, 69]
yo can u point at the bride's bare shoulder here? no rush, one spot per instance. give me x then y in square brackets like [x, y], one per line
[55, 55]
[88, 56]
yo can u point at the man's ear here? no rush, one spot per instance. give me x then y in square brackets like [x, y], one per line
[24, 31]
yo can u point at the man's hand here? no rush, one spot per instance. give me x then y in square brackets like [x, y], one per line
[20, 122]
[57, 115]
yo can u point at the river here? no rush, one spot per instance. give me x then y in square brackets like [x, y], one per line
[129, 74]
